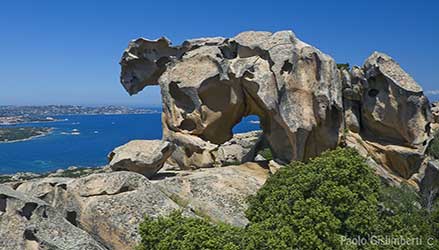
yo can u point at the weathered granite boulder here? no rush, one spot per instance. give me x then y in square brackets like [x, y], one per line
[218, 194]
[30, 223]
[387, 116]
[430, 183]
[241, 148]
[208, 85]
[435, 111]
[141, 156]
[110, 206]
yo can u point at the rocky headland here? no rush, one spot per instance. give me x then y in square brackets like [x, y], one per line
[305, 103]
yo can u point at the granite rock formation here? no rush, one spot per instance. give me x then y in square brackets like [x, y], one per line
[208, 85]
[387, 115]
[29, 223]
[77, 213]
[305, 104]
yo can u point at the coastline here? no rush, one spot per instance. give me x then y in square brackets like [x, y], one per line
[50, 131]
[61, 120]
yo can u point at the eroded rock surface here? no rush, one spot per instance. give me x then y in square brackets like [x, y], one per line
[141, 156]
[387, 115]
[435, 112]
[218, 194]
[110, 206]
[302, 99]
[29, 223]
[209, 84]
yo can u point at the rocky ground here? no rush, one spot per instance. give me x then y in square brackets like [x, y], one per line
[103, 210]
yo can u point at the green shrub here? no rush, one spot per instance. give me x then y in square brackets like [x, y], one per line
[342, 66]
[332, 196]
[433, 149]
[266, 153]
[314, 205]
[179, 233]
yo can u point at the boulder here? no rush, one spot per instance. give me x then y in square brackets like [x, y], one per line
[218, 194]
[241, 148]
[435, 111]
[430, 183]
[30, 223]
[208, 85]
[387, 116]
[141, 156]
[110, 206]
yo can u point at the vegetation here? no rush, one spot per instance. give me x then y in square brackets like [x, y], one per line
[331, 202]
[266, 153]
[433, 149]
[178, 232]
[22, 133]
[342, 66]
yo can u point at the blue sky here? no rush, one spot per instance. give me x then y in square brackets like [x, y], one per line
[67, 52]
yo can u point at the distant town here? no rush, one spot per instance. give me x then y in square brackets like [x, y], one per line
[11, 115]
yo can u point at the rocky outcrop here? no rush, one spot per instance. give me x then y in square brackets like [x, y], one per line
[141, 156]
[430, 183]
[387, 115]
[435, 112]
[302, 99]
[30, 223]
[209, 84]
[111, 206]
[218, 194]
[108, 207]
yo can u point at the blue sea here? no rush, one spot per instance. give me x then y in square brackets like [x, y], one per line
[99, 134]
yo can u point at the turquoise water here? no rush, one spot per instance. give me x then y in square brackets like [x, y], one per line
[99, 134]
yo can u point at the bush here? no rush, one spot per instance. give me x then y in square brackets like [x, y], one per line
[342, 66]
[314, 205]
[266, 153]
[433, 148]
[180, 233]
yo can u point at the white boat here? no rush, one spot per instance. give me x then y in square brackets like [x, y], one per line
[75, 132]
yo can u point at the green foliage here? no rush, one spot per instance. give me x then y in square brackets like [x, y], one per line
[266, 153]
[180, 233]
[433, 149]
[331, 196]
[316, 205]
[342, 66]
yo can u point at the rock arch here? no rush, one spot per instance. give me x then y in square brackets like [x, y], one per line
[208, 85]
[306, 105]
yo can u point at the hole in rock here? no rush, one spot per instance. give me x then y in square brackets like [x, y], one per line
[182, 100]
[71, 217]
[188, 125]
[3, 203]
[29, 234]
[428, 128]
[28, 210]
[287, 67]
[373, 93]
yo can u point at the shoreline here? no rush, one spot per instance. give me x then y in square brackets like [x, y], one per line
[61, 120]
[50, 131]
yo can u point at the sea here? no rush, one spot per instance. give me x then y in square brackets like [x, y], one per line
[85, 141]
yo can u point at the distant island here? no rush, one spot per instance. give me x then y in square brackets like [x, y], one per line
[16, 115]
[11, 115]
[15, 134]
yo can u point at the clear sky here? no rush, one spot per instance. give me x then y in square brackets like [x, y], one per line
[67, 52]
